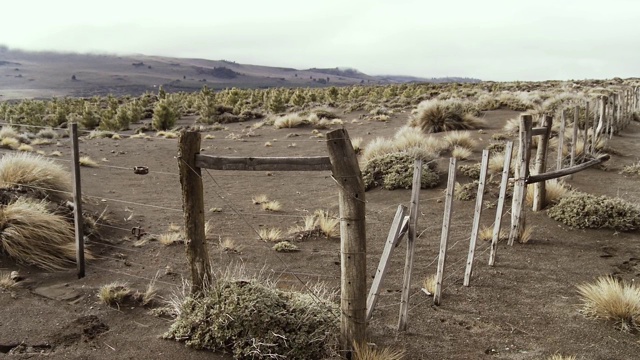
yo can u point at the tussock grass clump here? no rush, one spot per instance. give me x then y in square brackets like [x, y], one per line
[631, 169]
[167, 134]
[327, 223]
[460, 139]
[486, 234]
[561, 357]
[434, 116]
[270, 234]
[118, 293]
[5, 281]
[555, 190]
[101, 134]
[285, 246]
[582, 210]
[357, 144]
[496, 164]
[429, 284]
[289, 121]
[171, 238]
[272, 206]
[395, 171]
[366, 352]
[87, 161]
[8, 131]
[260, 199]
[291, 325]
[9, 143]
[461, 153]
[612, 300]
[32, 235]
[41, 175]
[25, 148]
[47, 133]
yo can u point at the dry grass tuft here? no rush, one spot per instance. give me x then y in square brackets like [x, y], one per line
[56, 153]
[429, 284]
[260, 199]
[459, 139]
[357, 144]
[167, 134]
[289, 121]
[25, 148]
[561, 357]
[115, 293]
[486, 234]
[230, 246]
[611, 299]
[8, 131]
[272, 206]
[363, 351]
[285, 246]
[40, 174]
[496, 164]
[555, 190]
[5, 281]
[87, 161]
[434, 116]
[171, 238]
[328, 223]
[9, 143]
[512, 126]
[270, 234]
[461, 153]
[526, 233]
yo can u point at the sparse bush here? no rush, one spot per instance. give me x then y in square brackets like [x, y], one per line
[87, 161]
[471, 171]
[287, 321]
[289, 121]
[165, 115]
[395, 171]
[285, 246]
[612, 300]
[582, 210]
[461, 139]
[366, 352]
[435, 116]
[461, 153]
[554, 191]
[465, 192]
[270, 234]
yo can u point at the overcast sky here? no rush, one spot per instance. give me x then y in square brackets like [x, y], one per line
[487, 39]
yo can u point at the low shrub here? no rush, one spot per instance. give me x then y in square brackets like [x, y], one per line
[395, 171]
[434, 116]
[582, 210]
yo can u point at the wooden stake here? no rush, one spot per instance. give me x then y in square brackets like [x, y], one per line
[586, 130]
[539, 189]
[353, 243]
[77, 201]
[520, 187]
[476, 217]
[411, 244]
[560, 158]
[574, 137]
[594, 133]
[393, 238]
[193, 206]
[446, 222]
[499, 209]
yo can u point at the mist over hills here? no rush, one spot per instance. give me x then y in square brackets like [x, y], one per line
[27, 74]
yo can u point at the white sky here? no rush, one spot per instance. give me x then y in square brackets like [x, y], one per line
[487, 39]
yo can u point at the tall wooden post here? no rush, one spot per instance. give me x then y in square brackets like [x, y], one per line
[560, 155]
[193, 207]
[353, 249]
[77, 201]
[411, 245]
[446, 229]
[476, 217]
[520, 187]
[585, 146]
[539, 189]
[503, 193]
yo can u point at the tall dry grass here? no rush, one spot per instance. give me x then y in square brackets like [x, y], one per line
[39, 174]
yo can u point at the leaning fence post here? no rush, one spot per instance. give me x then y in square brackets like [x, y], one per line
[503, 193]
[193, 207]
[446, 228]
[353, 250]
[411, 244]
[77, 201]
[540, 189]
[520, 187]
[476, 217]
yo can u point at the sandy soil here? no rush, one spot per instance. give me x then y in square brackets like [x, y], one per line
[526, 307]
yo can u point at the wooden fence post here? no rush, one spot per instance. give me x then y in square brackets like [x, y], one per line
[504, 183]
[585, 145]
[520, 187]
[560, 155]
[411, 244]
[540, 189]
[476, 217]
[193, 207]
[446, 228]
[353, 241]
[77, 201]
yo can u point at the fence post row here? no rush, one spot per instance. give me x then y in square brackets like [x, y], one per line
[342, 161]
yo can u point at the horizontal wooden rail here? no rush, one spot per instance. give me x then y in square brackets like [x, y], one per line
[532, 179]
[538, 131]
[313, 163]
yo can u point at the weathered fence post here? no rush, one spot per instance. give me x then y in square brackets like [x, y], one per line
[560, 155]
[585, 145]
[501, 197]
[476, 217]
[520, 187]
[411, 244]
[193, 207]
[446, 228]
[540, 189]
[77, 201]
[353, 244]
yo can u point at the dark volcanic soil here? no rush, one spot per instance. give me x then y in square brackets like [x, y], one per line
[526, 307]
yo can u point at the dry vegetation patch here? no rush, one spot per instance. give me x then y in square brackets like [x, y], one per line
[365, 351]
[582, 210]
[224, 319]
[434, 116]
[613, 300]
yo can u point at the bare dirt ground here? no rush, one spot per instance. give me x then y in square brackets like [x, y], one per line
[526, 307]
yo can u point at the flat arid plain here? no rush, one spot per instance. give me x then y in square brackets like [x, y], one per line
[566, 290]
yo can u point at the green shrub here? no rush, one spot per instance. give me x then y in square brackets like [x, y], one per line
[582, 210]
[165, 115]
[395, 171]
[472, 171]
[257, 321]
[285, 246]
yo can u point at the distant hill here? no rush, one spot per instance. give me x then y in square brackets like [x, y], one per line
[25, 74]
